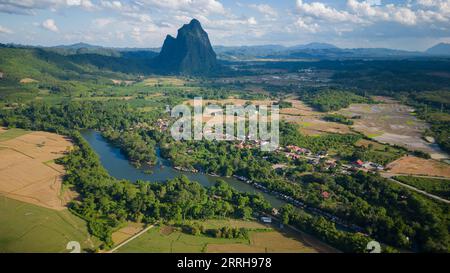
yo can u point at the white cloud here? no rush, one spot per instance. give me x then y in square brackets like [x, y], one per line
[204, 7]
[102, 22]
[112, 4]
[370, 12]
[5, 30]
[26, 7]
[309, 27]
[86, 4]
[31, 6]
[252, 21]
[322, 11]
[50, 24]
[265, 9]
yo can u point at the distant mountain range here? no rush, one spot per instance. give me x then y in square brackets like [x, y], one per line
[439, 49]
[235, 53]
[191, 53]
[323, 51]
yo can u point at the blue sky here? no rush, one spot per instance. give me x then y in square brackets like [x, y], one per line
[403, 24]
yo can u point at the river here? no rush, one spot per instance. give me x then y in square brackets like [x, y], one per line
[118, 166]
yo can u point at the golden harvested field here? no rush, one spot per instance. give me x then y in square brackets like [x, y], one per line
[27, 170]
[126, 232]
[238, 102]
[365, 143]
[174, 81]
[299, 108]
[419, 166]
[310, 121]
[118, 82]
[28, 80]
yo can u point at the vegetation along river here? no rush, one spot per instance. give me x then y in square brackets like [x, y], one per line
[118, 166]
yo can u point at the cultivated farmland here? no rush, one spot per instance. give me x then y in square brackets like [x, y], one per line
[27, 169]
[29, 228]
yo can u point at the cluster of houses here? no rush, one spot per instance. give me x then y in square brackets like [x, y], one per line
[161, 125]
[369, 166]
[300, 204]
[295, 152]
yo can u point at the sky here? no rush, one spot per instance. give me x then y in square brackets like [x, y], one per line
[400, 24]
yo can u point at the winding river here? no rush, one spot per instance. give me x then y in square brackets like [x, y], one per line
[118, 166]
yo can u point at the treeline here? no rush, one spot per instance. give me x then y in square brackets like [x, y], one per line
[137, 145]
[74, 115]
[380, 156]
[440, 187]
[326, 231]
[223, 232]
[338, 118]
[331, 99]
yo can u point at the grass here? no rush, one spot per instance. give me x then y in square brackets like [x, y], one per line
[29, 228]
[374, 135]
[12, 133]
[262, 238]
[306, 124]
[219, 223]
[164, 81]
[156, 241]
[439, 187]
[365, 143]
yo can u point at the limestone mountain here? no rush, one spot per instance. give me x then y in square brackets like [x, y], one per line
[189, 53]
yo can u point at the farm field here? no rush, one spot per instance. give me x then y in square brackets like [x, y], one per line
[164, 81]
[164, 240]
[6, 134]
[27, 169]
[411, 165]
[310, 121]
[233, 101]
[261, 239]
[392, 123]
[29, 228]
[126, 232]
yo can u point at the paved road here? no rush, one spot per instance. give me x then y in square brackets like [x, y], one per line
[130, 239]
[389, 177]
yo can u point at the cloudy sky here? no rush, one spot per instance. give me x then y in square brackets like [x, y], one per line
[402, 24]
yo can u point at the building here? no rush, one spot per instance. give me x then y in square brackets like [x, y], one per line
[359, 163]
[293, 156]
[296, 149]
[266, 220]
